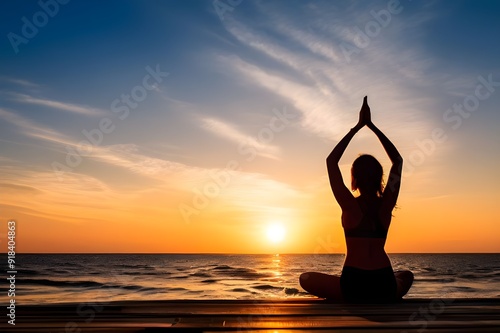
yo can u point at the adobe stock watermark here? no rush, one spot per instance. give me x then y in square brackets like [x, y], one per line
[220, 179]
[31, 27]
[326, 245]
[429, 313]
[223, 6]
[88, 311]
[371, 29]
[120, 106]
[247, 322]
[454, 118]
[11, 272]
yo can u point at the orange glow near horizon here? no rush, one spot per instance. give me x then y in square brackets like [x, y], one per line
[309, 224]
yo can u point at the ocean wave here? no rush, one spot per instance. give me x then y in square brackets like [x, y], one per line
[266, 287]
[179, 277]
[65, 271]
[69, 264]
[30, 272]
[195, 291]
[240, 290]
[485, 270]
[224, 267]
[138, 266]
[200, 274]
[239, 272]
[143, 273]
[86, 285]
[59, 283]
[292, 291]
[445, 280]
[151, 290]
[465, 288]
[131, 287]
[469, 276]
[274, 279]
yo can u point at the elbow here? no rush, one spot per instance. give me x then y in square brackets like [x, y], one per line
[398, 160]
[328, 162]
[333, 157]
[331, 160]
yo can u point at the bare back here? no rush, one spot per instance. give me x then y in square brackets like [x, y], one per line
[366, 232]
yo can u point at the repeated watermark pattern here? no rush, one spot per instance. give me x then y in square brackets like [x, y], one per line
[326, 245]
[363, 36]
[223, 6]
[88, 311]
[120, 106]
[220, 179]
[453, 117]
[428, 313]
[31, 27]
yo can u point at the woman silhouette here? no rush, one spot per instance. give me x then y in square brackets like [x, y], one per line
[367, 275]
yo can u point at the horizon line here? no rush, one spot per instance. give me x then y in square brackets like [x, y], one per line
[231, 253]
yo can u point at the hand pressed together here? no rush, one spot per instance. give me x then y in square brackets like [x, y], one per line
[365, 117]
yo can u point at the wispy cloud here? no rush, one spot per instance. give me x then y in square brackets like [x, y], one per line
[316, 108]
[230, 132]
[32, 129]
[21, 82]
[73, 108]
[166, 173]
[322, 85]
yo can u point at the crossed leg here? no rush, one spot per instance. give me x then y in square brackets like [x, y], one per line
[328, 286]
[404, 280]
[321, 285]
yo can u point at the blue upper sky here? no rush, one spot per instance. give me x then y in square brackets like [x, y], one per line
[230, 62]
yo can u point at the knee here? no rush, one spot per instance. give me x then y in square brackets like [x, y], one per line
[407, 276]
[304, 279]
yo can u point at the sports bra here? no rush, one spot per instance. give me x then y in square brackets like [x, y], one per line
[370, 225]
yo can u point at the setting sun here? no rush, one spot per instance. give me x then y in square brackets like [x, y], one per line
[275, 233]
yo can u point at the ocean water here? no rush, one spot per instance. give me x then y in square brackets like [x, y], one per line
[50, 278]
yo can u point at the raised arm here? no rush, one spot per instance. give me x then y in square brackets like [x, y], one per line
[389, 147]
[342, 194]
[391, 190]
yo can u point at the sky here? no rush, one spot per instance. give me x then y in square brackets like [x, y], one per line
[200, 126]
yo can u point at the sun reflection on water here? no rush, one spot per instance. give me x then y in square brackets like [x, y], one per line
[276, 268]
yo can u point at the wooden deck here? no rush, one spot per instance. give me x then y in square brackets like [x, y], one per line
[298, 315]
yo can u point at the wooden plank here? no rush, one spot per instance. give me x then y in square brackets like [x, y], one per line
[463, 315]
[270, 307]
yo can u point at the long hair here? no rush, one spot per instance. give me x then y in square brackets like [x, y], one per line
[366, 175]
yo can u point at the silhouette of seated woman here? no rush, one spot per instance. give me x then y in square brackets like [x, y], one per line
[367, 275]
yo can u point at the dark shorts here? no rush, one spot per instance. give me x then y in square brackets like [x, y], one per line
[368, 286]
